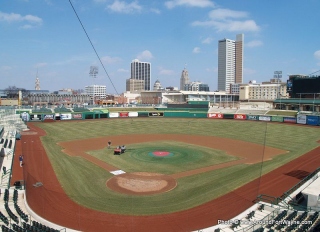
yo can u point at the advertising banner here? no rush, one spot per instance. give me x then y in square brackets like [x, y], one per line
[25, 116]
[265, 118]
[123, 114]
[35, 117]
[48, 117]
[302, 119]
[240, 116]
[133, 114]
[252, 117]
[277, 119]
[312, 120]
[155, 114]
[65, 116]
[215, 115]
[76, 116]
[289, 120]
[113, 115]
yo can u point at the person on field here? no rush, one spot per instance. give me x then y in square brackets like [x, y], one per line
[21, 160]
[123, 148]
[109, 144]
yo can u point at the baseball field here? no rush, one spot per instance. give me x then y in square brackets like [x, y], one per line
[170, 165]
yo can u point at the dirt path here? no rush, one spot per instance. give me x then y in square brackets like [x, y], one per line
[52, 203]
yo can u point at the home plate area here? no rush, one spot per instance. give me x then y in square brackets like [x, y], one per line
[141, 183]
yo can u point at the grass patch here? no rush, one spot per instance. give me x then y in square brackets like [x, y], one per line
[184, 157]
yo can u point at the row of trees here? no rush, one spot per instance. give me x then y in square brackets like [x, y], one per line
[13, 91]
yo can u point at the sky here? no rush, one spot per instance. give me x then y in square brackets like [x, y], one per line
[44, 38]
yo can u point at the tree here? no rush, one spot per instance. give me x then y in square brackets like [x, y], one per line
[13, 92]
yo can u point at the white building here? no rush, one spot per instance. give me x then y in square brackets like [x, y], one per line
[157, 85]
[141, 71]
[230, 62]
[96, 91]
[196, 86]
[266, 91]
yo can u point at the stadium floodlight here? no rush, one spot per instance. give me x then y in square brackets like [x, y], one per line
[93, 73]
[278, 76]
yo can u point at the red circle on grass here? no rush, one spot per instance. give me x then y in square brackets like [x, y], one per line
[161, 153]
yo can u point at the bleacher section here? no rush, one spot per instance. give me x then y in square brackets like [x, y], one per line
[15, 215]
[42, 110]
[62, 110]
[280, 216]
[80, 109]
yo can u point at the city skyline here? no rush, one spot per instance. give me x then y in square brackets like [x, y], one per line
[44, 38]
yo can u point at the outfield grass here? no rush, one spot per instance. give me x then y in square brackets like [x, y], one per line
[85, 183]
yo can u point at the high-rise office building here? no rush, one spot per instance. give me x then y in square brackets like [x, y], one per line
[141, 71]
[184, 80]
[230, 62]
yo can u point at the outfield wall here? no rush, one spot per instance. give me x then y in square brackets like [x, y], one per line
[312, 120]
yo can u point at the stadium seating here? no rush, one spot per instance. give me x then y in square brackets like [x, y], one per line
[11, 214]
[4, 219]
[6, 229]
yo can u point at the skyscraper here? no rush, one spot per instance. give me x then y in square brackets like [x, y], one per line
[141, 71]
[230, 62]
[184, 78]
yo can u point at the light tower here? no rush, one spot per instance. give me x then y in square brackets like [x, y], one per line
[93, 73]
[278, 75]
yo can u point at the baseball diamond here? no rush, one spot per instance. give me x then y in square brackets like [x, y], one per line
[174, 176]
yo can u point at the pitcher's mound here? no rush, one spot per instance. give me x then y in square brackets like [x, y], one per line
[141, 183]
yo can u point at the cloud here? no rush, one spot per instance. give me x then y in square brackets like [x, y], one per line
[165, 72]
[145, 55]
[12, 17]
[110, 60]
[122, 70]
[189, 3]
[26, 27]
[317, 54]
[123, 7]
[228, 20]
[207, 40]
[154, 10]
[223, 14]
[196, 50]
[249, 71]
[5, 68]
[254, 43]
[39, 65]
